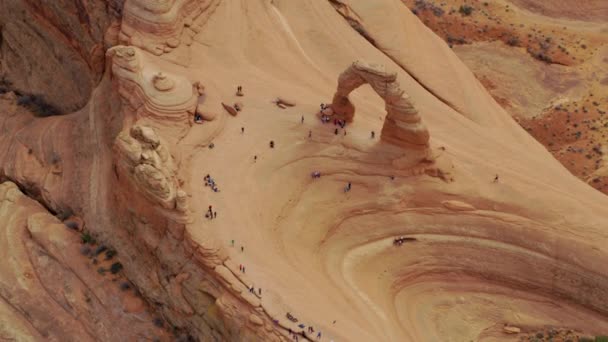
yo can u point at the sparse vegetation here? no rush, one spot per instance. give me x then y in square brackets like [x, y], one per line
[5, 85]
[64, 213]
[87, 238]
[513, 41]
[110, 254]
[37, 105]
[116, 267]
[465, 10]
[100, 249]
[601, 338]
[158, 322]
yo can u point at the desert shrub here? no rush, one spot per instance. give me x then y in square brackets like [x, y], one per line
[465, 10]
[85, 237]
[513, 41]
[601, 338]
[37, 105]
[158, 322]
[116, 267]
[85, 250]
[110, 254]
[5, 85]
[100, 249]
[64, 213]
[71, 224]
[543, 57]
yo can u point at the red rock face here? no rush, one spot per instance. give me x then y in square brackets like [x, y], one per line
[55, 50]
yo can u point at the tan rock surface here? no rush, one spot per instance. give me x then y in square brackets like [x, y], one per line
[531, 254]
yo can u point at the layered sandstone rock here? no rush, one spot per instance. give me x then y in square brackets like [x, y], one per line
[319, 253]
[55, 49]
[142, 156]
[403, 126]
[165, 101]
[163, 25]
[50, 290]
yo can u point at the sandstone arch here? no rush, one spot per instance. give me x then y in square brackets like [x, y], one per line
[402, 126]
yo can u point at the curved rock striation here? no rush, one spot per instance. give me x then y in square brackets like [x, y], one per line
[161, 26]
[165, 101]
[50, 291]
[402, 126]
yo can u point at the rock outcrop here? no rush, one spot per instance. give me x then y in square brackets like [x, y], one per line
[142, 156]
[164, 25]
[163, 100]
[402, 126]
[51, 291]
[55, 49]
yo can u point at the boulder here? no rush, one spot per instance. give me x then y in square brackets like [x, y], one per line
[229, 109]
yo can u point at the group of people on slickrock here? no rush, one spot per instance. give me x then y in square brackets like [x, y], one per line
[212, 214]
[210, 182]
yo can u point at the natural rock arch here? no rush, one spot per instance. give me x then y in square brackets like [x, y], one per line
[402, 126]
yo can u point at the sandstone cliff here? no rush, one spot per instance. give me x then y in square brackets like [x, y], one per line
[55, 49]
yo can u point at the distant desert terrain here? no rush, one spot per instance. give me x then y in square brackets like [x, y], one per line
[545, 62]
[278, 170]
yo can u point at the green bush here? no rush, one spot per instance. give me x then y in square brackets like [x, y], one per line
[87, 238]
[601, 338]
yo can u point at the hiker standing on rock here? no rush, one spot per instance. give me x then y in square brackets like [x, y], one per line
[373, 134]
[302, 121]
[496, 179]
